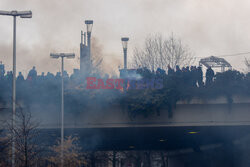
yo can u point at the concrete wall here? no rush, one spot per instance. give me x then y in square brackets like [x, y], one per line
[193, 113]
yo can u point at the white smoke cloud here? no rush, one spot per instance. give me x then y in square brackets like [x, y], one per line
[208, 27]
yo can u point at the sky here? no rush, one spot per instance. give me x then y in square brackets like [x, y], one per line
[215, 27]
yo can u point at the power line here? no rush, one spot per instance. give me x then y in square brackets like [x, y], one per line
[230, 55]
[235, 54]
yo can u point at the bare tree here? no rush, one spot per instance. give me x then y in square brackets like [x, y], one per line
[72, 153]
[247, 63]
[26, 138]
[4, 143]
[96, 158]
[97, 56]
[159, 52]
[112, 157]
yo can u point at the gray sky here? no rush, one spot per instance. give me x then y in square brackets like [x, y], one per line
[213, 27]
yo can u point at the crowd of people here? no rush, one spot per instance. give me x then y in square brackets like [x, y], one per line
[33, 85]
[188, 73]
[50, 84]
[33, 76]
[193, 75]
[178, 83]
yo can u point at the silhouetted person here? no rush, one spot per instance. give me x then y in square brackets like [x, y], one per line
[183, 69]
[200, 77]
[193, 76]
[58, 75]
[187, 76]
[50, 76]
[65, 74]
[42, 76]
[160, 72]
[178, 71]
[170, 71]
[20, 77]
[209, 76]
[2, 71]
[32, 74]
[9, 76]
[184, 75]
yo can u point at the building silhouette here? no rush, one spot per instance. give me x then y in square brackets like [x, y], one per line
[85, 59]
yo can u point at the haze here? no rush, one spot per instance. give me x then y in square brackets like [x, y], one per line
[207, 27]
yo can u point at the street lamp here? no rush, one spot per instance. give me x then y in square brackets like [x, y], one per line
[89, 24]
[56, 56]
[125, 48]
[22, 14]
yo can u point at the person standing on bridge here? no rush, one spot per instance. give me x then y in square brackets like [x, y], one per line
[20, 77]
[209, 76]
[170, 71]
[200, 77]
[178, 71]
[32, 74]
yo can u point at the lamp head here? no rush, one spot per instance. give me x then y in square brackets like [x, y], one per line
[125, 42]
[26, 16]
[22, 14]
[54, 55]
[69, 55]
[89, 24]
[13, 13]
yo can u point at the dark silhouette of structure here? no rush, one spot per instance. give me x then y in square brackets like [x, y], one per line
[85, 49]
[85, 60]
[215, 62]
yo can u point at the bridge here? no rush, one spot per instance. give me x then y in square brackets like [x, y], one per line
[196, 126]
[195, 123]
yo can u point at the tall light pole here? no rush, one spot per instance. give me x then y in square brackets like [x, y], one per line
[125, 48]
[22, 14]
[89, 24]
[56, 56]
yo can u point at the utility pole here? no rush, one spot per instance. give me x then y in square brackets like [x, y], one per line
[22, 14]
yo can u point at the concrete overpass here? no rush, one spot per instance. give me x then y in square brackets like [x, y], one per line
[194, 123]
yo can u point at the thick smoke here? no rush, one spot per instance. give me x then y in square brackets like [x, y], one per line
[209, 28]
[53, 28]
[106, 63]
[56, 25]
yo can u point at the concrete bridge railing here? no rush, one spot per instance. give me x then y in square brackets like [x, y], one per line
[196, 112]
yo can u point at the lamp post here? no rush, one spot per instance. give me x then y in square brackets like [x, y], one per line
[56, 56]
[22, 14]
[89, 24]
[125, 48]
